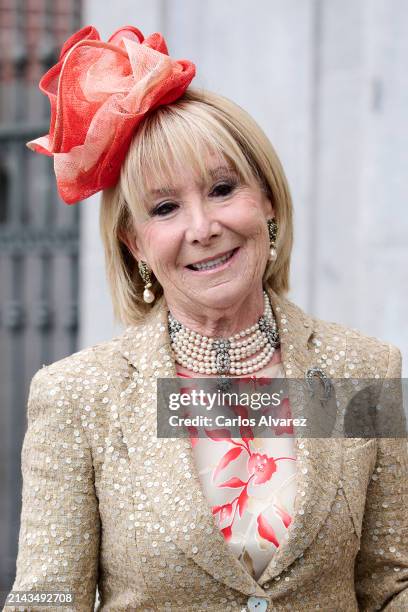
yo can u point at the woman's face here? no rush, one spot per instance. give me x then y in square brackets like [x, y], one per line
[207, 243]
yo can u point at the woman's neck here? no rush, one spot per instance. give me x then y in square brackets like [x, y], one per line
[220, 322]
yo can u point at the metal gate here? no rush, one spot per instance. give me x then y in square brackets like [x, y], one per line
[39, 239]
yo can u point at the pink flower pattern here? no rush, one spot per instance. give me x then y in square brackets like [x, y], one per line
[250, 487]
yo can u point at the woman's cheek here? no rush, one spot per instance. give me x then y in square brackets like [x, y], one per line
[252, 223]
[160, 246]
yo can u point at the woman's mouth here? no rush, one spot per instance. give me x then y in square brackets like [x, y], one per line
[217, 263]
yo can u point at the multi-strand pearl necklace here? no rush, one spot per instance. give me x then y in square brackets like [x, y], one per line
[228, 356]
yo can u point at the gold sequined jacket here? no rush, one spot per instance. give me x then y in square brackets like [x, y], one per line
[107, 504]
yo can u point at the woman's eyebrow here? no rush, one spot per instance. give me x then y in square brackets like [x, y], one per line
[172, 191]
[219, 170]
[164, 191]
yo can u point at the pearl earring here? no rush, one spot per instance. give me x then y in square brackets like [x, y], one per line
[144, 271]
[273, 232]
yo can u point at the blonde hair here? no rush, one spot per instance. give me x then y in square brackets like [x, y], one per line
[178, 135]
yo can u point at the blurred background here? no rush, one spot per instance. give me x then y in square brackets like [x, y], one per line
[325, 79]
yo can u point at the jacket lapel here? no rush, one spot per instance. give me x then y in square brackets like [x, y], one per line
[165, 468]
[319, 460]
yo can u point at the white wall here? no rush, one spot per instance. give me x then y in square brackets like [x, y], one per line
[326, 81]
[96, 316]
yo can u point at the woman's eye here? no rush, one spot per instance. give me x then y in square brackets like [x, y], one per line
[222, 189]
[163, 209]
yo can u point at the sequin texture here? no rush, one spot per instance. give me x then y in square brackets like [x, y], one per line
[106, 502]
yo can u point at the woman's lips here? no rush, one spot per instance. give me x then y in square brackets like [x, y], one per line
[218, 268]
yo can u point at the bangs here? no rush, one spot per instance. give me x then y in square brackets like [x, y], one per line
[172, 140]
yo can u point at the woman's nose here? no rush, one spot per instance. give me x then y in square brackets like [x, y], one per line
[202, 227]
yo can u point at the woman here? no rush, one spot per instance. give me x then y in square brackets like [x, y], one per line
[196, 221]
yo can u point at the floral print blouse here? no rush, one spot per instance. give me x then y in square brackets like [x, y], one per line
[250, 484]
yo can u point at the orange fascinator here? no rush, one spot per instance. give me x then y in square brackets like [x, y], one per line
[99, 92]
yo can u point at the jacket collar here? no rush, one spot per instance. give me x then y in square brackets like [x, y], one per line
[166, 467]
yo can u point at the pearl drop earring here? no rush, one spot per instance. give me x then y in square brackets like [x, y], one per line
[273, 232]
[144, 271]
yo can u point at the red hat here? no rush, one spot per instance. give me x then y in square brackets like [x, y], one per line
[99, 92]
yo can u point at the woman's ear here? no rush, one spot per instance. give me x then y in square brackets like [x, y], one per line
[129, 239]
[268, 207]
